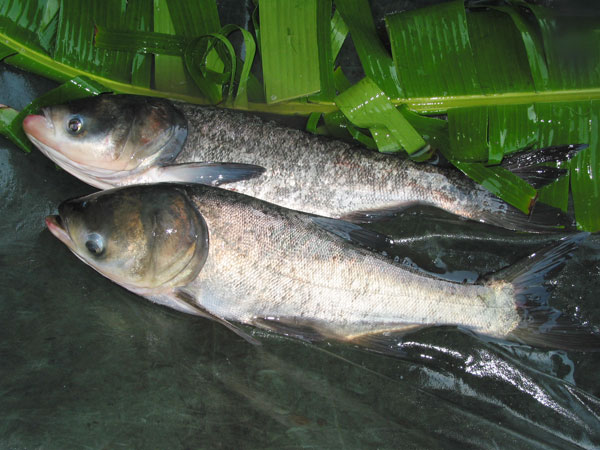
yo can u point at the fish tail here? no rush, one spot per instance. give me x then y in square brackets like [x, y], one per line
[527, 166]
[541, 325]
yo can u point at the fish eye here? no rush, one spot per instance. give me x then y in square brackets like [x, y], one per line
[95, 244]
[75, 125]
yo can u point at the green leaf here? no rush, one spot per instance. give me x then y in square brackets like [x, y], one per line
[197, 57]
[533, 47]
[572, 123]
[210, 59]
[427, 44]
[520, 65]
[340, 81]
[169, 71]
[7, 118]
[434, 131]
[367, 106]
[140, 42]
[76, 27]
[326, 57]
[374, 58]
[511, 128]
[572, 49]
[502, 183]
[339, 32]
[33, 21]
[468, 134]
[5, 51]
[585, 170]
[312, 123]
[484, 28]
[245, 78]
[295, 48]
[448, 59]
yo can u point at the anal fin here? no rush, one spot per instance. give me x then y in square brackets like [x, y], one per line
[388, 342]
[382, 341]
[295, 327]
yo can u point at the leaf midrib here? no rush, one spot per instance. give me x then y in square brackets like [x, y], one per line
[424, 105]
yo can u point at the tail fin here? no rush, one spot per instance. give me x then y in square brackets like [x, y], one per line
[540, 324]
[526, 165]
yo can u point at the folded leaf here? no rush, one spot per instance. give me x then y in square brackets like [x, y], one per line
[374, 58]
[367, 106]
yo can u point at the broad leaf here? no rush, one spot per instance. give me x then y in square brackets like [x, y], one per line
[295, 45]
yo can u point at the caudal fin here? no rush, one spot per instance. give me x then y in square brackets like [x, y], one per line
[542, 325]
[527, 166]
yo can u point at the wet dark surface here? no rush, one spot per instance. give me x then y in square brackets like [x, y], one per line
[85, 363]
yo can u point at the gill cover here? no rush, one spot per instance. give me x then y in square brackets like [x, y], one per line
[145, 238]
[115, 132]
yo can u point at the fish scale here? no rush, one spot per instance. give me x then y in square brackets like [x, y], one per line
[324, 176]
[268, 262]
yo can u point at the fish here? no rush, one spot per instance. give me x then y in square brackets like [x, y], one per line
[116, 140]
[238, 260]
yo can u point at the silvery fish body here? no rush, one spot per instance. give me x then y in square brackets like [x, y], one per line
[324, 176]
[272, 265]
[233, 258]
[120, 140]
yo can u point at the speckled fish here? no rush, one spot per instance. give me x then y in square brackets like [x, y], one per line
[116, 140]
[233, 258]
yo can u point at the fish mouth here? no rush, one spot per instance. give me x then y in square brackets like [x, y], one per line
[35, 125]
[37, 128]
[57, 228]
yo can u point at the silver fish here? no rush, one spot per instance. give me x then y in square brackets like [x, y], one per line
[234, 258]
[117, 140]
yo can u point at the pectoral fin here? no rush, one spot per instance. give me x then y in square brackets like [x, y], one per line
[210, 173]
[189, 303]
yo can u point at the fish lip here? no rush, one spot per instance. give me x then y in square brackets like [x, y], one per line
[31, 130]
[57, 228]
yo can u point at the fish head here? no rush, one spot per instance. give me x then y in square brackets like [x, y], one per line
[109, 133]
[145, 238]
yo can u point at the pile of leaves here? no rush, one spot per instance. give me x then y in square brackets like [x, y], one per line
[498, 76]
